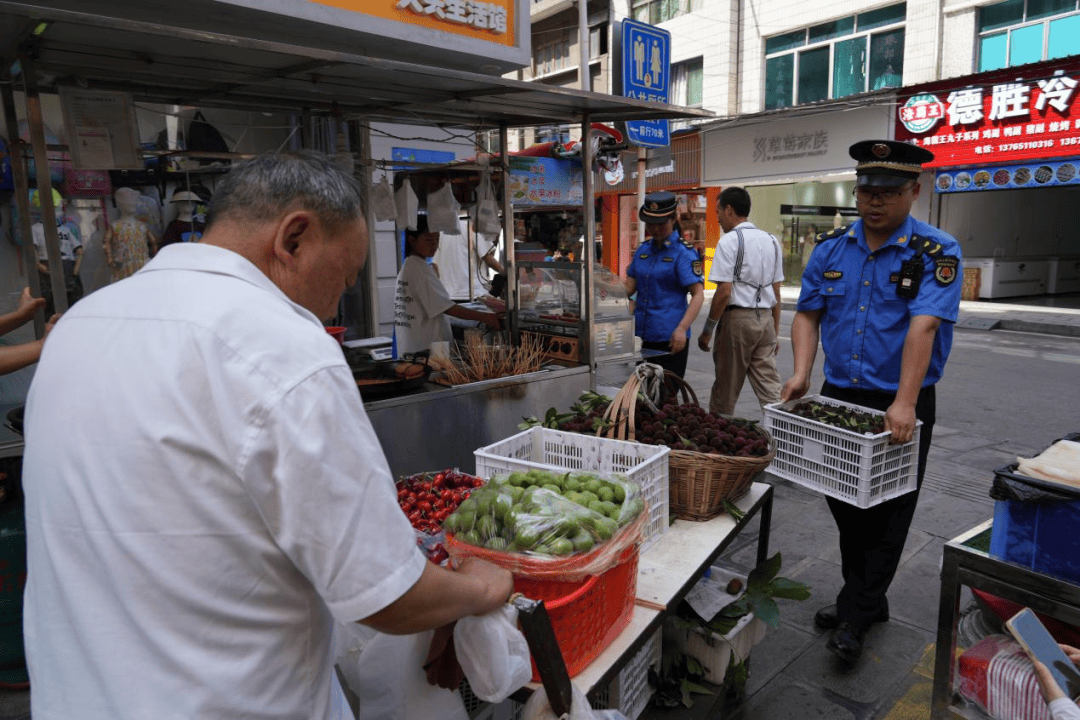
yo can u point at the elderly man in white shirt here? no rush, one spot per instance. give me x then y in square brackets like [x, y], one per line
[204, 491]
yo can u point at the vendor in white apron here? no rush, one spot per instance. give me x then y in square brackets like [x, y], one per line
[422, 306]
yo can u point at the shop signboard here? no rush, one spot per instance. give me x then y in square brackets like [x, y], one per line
[646, 75]
[1008, 177]
[536, 182]
[1004, 116]
[487, 36]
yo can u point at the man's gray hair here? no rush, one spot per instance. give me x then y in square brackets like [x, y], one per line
[264, 187]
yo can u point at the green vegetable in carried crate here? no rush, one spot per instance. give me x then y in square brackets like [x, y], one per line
[546, 513]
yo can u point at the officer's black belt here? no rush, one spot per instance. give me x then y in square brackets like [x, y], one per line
[742, 307]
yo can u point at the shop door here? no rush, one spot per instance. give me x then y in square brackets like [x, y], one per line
[802, 224]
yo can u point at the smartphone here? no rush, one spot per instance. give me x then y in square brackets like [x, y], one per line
[1033, 636]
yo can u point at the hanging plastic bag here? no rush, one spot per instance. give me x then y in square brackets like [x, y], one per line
[486, 212]
[442, 210]
[387, 673]
[493, 653]
[538, 708]
[407, 206]
[382, 201]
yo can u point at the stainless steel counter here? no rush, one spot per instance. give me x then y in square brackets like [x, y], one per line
[443, 426]
[11, 442]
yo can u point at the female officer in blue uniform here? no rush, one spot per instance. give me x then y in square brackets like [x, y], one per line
[664, 270]
[883, 296]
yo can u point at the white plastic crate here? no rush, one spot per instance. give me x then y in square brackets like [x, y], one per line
[859, 469]
[546, 449]
[630, 692]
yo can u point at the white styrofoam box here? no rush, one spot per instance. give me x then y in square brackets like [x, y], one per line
[859, 469]
[630, 692]
[716, 651]
[545, 449]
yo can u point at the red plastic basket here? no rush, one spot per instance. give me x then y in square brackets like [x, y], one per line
[588, 615]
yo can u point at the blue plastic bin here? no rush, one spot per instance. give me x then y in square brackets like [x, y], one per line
[1041, 534]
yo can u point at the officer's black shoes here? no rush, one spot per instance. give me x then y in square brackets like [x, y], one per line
[847, 641]
[826, 618]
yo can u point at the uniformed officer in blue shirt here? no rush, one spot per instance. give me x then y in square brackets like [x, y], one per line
[663, 272]
[883, 296]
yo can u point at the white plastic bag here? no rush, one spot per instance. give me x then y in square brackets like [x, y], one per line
[386, 672]
[442, 210]
[382, 201]
[493, 653]
[537, 708]
[407, 206]
[486, 212]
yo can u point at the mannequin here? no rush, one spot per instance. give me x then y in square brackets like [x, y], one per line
[71, 249]
[185, 228]
[128, 241]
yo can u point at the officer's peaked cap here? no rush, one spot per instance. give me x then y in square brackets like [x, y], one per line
[658, 207]
[887, 163]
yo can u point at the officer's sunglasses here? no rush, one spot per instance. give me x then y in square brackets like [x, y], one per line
[885, 196]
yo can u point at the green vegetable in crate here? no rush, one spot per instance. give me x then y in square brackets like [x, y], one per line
[541, 512]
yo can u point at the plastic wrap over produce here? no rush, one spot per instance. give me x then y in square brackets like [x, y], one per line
[548, 525]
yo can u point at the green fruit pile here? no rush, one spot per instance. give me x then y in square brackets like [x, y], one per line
[545, 512]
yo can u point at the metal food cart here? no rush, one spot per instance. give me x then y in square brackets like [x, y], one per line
[122, 47]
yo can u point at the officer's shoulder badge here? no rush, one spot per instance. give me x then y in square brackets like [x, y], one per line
[832, 274]
[688, 244]
[946, 269]
[831, 234]
[928, 246]
[643, 256]
[698, 268]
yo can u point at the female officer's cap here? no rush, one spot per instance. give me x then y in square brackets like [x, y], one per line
[658, 207]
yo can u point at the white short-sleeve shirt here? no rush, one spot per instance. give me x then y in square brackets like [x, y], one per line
[204, 494]
[420, 304]
[763, 265]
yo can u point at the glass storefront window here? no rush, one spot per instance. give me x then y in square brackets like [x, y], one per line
[849, 67]
[1063, 34]
[1025, 45]
[814, 75]
[887, 60]
[778, 87]
[992, 51]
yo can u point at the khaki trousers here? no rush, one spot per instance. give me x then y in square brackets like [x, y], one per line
[744, 347]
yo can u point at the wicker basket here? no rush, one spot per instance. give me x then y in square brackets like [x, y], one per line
[699, 482]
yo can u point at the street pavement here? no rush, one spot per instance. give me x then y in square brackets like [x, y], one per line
[792, 675]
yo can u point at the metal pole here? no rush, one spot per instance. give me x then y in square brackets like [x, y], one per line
[640, 192]
[44, 184]
[367, 168]
[589, 250]
[508, 235]
[22, 199]
[583, 45]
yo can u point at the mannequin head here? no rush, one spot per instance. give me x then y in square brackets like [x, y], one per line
[185, 204]
[127, 201]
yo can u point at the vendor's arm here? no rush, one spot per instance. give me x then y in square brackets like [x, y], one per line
[463, 313]
[720, 300]
[28, 305]
[776, 314]
[805, 333]
[78, 260]
[491, 261]
[16, 357]
[442, 596]
[678, 337]
[918, 348]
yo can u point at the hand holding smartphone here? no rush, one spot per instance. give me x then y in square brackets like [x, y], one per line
[1041, 646]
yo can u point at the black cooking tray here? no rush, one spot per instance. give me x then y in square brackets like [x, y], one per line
[386, 370]
[15, 419]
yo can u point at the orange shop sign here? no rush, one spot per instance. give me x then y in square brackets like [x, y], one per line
[491, 20]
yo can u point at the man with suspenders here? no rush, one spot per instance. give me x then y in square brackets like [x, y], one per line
[747, 269]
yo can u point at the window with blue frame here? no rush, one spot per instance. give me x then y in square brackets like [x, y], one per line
[835, 59]
[1018, 32]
